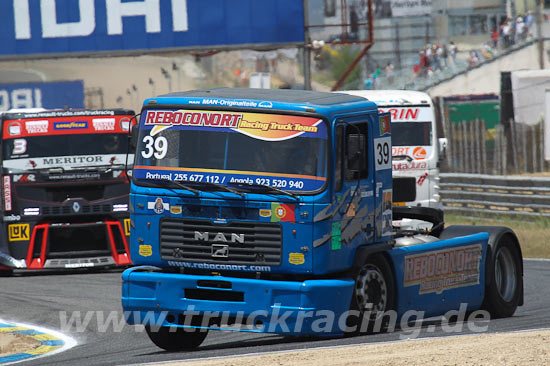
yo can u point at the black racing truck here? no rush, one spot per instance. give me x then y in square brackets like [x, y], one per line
[65, 189]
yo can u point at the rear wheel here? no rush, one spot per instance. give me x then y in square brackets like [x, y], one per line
[373, 296]
[504, 292]
[176, 339]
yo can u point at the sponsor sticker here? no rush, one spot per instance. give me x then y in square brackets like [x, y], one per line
[73, 125]
[12, 218]
[265, 213]
[6, 183]
[385, 125]
[158, 206]
[282, 212]
[104, 124]
[440, 270]
[176, 210]
[419, 153]
[126, 227]
[145, 250]
[18, 232]
[33, 127]
[296, 258]
[14, 129]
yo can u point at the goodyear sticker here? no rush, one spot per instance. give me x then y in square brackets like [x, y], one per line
[176, 210]
[126, 227]
[145, 250]
[19, 232]
[265, 213]
[73, 125]
[158, 206]
[296, 258]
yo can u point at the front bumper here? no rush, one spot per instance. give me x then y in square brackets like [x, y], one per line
[284, 307]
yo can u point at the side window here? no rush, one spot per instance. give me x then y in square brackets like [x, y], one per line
[357, 165]
[339, 157]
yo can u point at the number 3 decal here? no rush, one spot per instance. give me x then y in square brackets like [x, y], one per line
[155, 147]
[383, 153]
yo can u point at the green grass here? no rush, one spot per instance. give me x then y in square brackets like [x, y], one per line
[533, 232]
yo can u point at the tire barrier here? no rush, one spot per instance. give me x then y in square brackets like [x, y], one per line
[470, 194]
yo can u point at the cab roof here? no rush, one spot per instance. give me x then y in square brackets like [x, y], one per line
[312, 99]
[393, 97]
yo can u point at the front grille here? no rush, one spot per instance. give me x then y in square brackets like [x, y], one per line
[262, 242]
[64, 210]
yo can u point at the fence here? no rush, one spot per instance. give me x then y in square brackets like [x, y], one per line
[472, 194]
[472, 148]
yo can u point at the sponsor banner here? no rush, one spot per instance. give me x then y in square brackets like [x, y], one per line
[408, 114]
[268, 127]
[408, 8]
[30, 27]
[415, 152]
[65, 162]
[220, 267]
[440, 270]
[52, 95]
[28, 127]
[287, 182]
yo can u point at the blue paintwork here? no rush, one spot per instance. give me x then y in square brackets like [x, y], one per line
[328, 242]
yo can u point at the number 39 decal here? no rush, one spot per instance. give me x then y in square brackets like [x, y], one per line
[155, 147]
[382, 153]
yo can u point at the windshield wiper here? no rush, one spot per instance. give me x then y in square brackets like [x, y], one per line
[217, 185]
[266, 187]
[403, 157]
[180, 185]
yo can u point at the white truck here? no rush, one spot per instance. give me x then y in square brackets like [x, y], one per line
[416, 148]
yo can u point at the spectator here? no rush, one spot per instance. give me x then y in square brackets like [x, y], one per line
[389, 72]
[494, 38]
[506, 30]
[473, 59]
[520, 29]
[452, 51]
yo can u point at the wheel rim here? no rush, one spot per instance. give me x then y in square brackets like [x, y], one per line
[505, 274]
[371, 290]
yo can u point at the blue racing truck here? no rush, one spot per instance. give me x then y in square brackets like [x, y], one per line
[271, 211]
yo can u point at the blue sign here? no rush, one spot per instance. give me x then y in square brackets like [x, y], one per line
[53, 95]
[32, 27]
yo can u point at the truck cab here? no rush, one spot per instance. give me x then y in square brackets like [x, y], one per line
[416, 148]
[271, 211]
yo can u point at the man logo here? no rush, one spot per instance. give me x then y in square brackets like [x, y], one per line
[220, 251]
[219, 237]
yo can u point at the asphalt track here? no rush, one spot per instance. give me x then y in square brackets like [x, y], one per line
[39, 299]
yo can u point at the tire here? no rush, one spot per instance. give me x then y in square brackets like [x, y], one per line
[179, 339]
[503, 294]
[373, 296]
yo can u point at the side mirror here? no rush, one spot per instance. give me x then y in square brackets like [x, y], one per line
[355, 157]
[133, 138]
[442, 147]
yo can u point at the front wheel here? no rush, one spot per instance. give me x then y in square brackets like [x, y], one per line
[373, 297]
[504, 292]
[176, 339]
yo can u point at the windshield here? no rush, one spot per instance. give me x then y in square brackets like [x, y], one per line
[411, 133]
[64, 143]
[288, 152]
